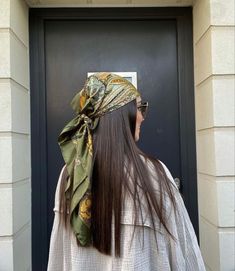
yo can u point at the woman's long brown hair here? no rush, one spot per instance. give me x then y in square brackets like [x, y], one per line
[115, 153]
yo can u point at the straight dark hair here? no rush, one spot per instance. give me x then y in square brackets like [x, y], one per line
[114, 153]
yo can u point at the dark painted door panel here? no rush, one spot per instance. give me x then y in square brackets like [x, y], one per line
[63, 50]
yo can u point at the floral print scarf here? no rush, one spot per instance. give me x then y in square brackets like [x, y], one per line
[102, 93]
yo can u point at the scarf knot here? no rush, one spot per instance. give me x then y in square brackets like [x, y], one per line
[85, 118]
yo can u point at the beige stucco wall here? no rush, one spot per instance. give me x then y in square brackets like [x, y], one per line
[15, 168]
[214, 106]
[214, 71]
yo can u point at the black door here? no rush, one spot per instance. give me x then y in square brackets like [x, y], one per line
[65, 45]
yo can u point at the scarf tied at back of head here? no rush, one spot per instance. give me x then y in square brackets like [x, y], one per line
[103, 92]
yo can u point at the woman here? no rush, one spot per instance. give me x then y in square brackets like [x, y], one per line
[115, 207]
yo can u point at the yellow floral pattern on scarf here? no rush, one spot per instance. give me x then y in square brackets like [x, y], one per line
[85, 208]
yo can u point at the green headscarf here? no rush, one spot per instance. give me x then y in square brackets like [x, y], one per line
[102, 93]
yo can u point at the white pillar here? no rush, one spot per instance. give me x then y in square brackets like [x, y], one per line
[214, 92]
[15, 165]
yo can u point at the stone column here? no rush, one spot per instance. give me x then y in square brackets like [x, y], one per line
[15, 165]
[214, 94]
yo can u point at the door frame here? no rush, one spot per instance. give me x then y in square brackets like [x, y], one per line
[37, 18]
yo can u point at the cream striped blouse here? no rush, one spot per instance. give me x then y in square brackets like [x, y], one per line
[184, 255]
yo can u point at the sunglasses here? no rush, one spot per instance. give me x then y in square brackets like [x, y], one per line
[143, 108]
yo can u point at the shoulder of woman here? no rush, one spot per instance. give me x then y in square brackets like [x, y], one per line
[62, 172]
[153, 171]
[168, 173]
[57, 192]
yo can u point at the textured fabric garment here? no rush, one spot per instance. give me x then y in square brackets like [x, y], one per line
[184, 255]
[102, 93]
